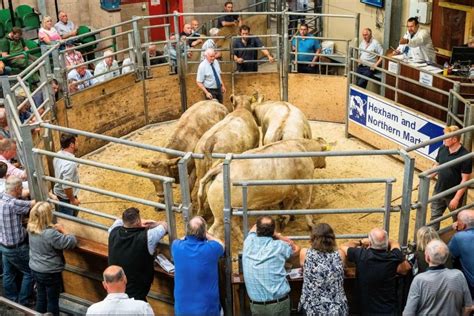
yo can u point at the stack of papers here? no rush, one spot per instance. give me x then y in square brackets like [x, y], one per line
[432, 69]
[164, 263]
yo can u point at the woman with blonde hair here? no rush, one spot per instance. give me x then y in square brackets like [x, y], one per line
[46, 257]
[423, 236]
[48, 33]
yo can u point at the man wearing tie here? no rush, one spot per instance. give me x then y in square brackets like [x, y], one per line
[209, 78]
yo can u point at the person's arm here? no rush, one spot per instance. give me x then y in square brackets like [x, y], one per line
[118, 222]
[421, 38]
[155, 234]
[45, 38]
[60, 239]
[22, 207]
[412, 300]
[303, 256]
[207, 93]
[454, 203]
[212, 238]
[269, 56]
[70, 195]
[315, 58]
[295, 249]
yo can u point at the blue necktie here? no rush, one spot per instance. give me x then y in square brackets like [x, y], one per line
[216, 76]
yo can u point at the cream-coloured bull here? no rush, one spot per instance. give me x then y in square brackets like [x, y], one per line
[236, 133]
[263, 197]
[199, 118]
[279, 120]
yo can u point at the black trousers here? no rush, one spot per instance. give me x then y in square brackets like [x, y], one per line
[216, 94]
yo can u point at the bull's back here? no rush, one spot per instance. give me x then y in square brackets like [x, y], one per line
[199, 118]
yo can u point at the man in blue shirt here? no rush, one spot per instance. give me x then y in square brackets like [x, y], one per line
[264, 257]
[461, 246]
[196, 281]
[306, 48]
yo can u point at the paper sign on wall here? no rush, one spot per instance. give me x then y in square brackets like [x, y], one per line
[155, 2]
[426, 79]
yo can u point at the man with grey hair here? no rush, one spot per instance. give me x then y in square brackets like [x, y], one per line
[196, 281]
[377, 260]
[211, 43]
[461, 246]
[209, 78]
[439, 290]
[14, 242]
[117, 301]
[107, 66]
[7, 152]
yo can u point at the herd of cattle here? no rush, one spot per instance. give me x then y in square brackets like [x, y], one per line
[210, 127]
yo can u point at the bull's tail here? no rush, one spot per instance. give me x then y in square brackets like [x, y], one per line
[307, 130]
[144, 164]
[204, 184]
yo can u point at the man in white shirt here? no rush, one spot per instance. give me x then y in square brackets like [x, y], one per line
[368, 44]
[106, 65]
[81, 77]
[416, 43]
[209, 78]
[117, 301]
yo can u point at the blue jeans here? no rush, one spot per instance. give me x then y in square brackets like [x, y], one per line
[48, 286]
[66, 210]
[365, 71]
[15, 261]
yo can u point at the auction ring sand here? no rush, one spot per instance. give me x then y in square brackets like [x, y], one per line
[326, 196]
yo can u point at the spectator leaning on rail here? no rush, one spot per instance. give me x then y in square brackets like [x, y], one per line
[67, 170]
[82, 76]
[46, 258]
[323, 275]
[306, 48]
[242, 55]
[14, 44]
[211, 43]
[209, 78]
[192, 39]
[117, 301]
[264, 256]
[65, 27]
[424, 235]
[72, 57]
[7, 152]
[132, 245]
[450, 176]
[369, 44]
[154, 54]
[377, 260]
[229, 20]
[105, 65]
[14, 243]
[47, 33]
[439, 290]
[196, 258]
[462, 246]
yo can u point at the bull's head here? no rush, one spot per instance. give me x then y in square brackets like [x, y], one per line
[256, 99]
[163, 167]
[241, 101]
[318, 144]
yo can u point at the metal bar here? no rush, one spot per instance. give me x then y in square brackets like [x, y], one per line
[74, 38]
[136, 48]
[311, 181]
[423, 193]
[440, 138]
[102, 39]
[456, 88]
[181, 66]
[17, 307]
[80, 220]
[106, 192]
[39, 173]
[104, 166]
[118, 140]
[450, 214]
[245, 220]
[451, 163]
[227, 234]
[147, 27]
[451, 190]
[388, 199]
[184, 185]
[407, 189]
[33, 65]
[168, 191]
[82, 209]
[311, 154]
[313, 211]
[346, 236]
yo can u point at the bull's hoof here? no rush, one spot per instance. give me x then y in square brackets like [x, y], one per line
[292, 218]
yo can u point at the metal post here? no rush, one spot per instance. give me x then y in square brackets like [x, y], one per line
[423, 195]
[168, 191]
[284, 48]
[348, 100]
[61, 76]
[468, 121]
[408, 174]
[456, 88]
[44, 49]
[388, 199]
[46, 91]
[232, 69]
[387, 22]
[279, 8]
[227, 232]
[137, 44]
[39, 172]
[27, 148]
[245, 219]
[451, 97]
[184, 185]
[382, 87]
[181, 70]
[356, 29]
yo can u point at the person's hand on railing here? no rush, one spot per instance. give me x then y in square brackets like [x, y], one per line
[60, 228]
[75, 201]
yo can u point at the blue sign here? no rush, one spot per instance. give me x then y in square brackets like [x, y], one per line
[393, 122]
